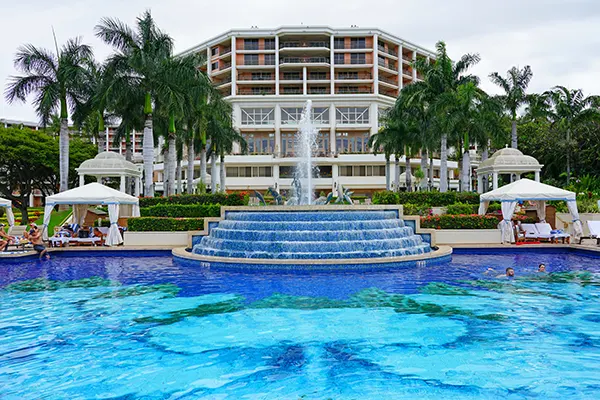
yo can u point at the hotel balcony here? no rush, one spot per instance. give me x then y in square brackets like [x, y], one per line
[223, 67]
[319, 90]
[389, 51]
[391, 66]
[300, 61]
[353, 90]
[260, 47]
[304, 45]
[389, 81]
[256, 91]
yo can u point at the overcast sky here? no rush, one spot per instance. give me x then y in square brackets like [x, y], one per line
[558, 39]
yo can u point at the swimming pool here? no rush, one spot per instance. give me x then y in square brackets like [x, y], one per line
[134, 327]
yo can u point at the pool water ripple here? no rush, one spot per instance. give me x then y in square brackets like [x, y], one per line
[148, 327]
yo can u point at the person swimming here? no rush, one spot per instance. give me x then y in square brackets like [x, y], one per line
[541, 268]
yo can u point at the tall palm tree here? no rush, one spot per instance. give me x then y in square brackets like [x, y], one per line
[391, 139]
[570, 109]
[142, 59]
[55, 80]
[381, 143]
[515, 86]
[440, 77]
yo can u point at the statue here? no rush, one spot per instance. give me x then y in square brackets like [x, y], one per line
[276, 196]
[260, 198]
[344, 195]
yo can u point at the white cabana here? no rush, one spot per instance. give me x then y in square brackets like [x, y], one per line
[93, 194]
[524, 190]
[7, 204]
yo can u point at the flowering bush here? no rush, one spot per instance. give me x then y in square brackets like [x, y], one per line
[432, 199]
[461, 221]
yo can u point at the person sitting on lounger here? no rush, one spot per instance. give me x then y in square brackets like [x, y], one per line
[5, 239]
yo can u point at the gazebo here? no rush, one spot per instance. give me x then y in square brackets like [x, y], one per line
[110, 164]
[7, 204]
[526, 189]
[93, 194]
[506, 161]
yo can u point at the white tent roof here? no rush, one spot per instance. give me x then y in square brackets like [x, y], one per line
[92, 193]
[526, 189]
[5, 202]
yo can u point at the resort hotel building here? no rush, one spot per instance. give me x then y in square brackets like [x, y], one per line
[352, 76]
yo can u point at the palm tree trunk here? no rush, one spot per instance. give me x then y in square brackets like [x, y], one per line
[514, 134]
[485, 156]
[101, 141]
[171, 167]
[128, 157]
[190, 167]
[465, 181]
[430, 170]
[408, 172]
[424, 168]
[568, 156]
[148, 156]
[213, 173]
[387, 173]
[64, 154]
[179, 177]
[397, 178]
[203, 165]
[444, 164]
[222, 180]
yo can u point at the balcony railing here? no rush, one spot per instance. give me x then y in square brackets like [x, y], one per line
[223, 66]
[292, 91]
[407, 58]
[354, 77]
[313, 77]
[259, 47]
[258, 62]
[226, 50]
[291, 77]
[407, 71]
[388, 80]
[387, 65]
[222, 82]
[255, 78]
[319, 90]
[296, 44]
[351, 90]
[255, 92]
[359, 61]
[304, 60]
[387, 51]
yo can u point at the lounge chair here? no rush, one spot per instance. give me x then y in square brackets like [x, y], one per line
[594, 228]
[521, 236]
[532, 232]
[545, 229]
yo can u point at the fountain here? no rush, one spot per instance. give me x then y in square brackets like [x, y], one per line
[306, 232]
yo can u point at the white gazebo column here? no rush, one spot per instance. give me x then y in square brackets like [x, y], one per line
[137, 187]
[81, 180]
[122, 185]
[495, 180]
[479, 184]
[537, 176]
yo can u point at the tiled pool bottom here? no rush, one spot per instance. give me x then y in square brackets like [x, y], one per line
[131, 327]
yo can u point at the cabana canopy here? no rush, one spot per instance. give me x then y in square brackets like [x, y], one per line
[93, 194]
[526, 189]
[9, 214]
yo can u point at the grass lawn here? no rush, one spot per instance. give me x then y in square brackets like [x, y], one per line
[55, 219]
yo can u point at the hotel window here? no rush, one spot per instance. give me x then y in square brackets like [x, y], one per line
[250, 59]
[352, 115]
[292, 76]
[323, 144]
[338, 58]
[320, 115]
[269, 44]
[250, 44]
[358, 43]
[258, 116]
[269, 59]
[339, 43]
[347, 75]
[318, 76]
[215, 66]
[261, 76]
[362, 170]
[259, 143]
[358, 58]
[291, 115]
[215, 51]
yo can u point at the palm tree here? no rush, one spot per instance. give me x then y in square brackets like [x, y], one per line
[570, 109]
[142, 60]
[391, 140]
[55, 80]
[439, 77]
[514, 86]
[381, 143]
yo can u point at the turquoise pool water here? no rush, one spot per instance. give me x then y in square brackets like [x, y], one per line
[150, 328]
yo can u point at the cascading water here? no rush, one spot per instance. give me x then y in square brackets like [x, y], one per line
[307, 141]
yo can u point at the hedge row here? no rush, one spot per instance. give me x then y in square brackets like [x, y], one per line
[182, 210]
[224, 199]
[154, 224]
[447, 221]
[433, 199]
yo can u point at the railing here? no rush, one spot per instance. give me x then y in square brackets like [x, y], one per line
[226, 50]
[350, 90]
[303, 60]
[407, 59]
[407, 71]
[242, 77]
[319, 90]
[388, 80]
[259, 47]
[323, 77]
[224, 81]
[388, 51]
[255, 92]
[317, 153]
[258, 62]
[387, 65]
[360, 61]
[223, 66]
[303, 44]
[292, 78]
[291, 91]
[354, 77]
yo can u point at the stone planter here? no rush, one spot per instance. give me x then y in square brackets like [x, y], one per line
[158, 239]
[467, 236]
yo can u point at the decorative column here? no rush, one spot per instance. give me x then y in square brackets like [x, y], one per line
[81, 180]
[304, 79]
[234, 67]
[495, 180]
[375, 64]
[537, 176]
[277, 65]
[331, 64]
[137, 186]
[479, 183]
[122, 185]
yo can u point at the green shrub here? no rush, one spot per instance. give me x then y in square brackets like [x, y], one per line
[461, 208]
[416, 209]
[447, 221]
[432, 199]
[102, 223]
[153, 224]
[182, 210]
[224, 199]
